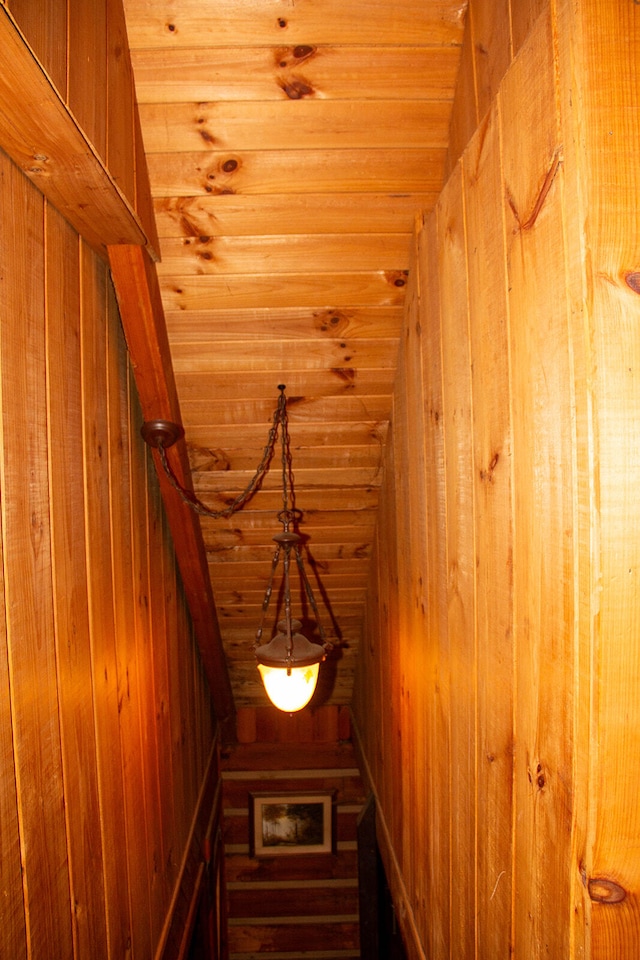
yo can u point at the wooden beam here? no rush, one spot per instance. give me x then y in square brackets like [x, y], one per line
[42, 137]
[136, 284]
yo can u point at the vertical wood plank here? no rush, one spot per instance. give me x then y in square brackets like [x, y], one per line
[491, 33]
[64, 391]
[101, 596]
[87, 96]
[28, 576]
[414, 549]
[44, 26]
[145, 661]
[437, 679]
[607, 38]
[464, 111]
[162, 721]
[543, 499]
[119, 411]
[13, 940]
[524, 14]
[120, 103]
[488, 331]
[459, 645]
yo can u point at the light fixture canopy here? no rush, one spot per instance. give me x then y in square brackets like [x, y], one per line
[289, 662]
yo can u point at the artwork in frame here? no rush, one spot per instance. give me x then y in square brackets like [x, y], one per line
[285, 824]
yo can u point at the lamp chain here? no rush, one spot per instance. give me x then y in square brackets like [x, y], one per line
[190, 498]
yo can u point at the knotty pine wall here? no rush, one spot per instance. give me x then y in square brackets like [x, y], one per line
[293, 906]
[109, 788]
[497, 705]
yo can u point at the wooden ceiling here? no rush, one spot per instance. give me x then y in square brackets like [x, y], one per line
[290, 145]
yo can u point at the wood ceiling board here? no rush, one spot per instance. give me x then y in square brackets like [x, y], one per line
[276, 357]
[312, 394]
[285, 323]
[260, 529]
[230, 482]
[304, 436]
[361, 456]
[215, 23]
[295, 124]
[346, 72]
[250, 255]
[310, 499]
[291, 147]
[241, 598]
[230, 215]
[374, 288]
[257, 172]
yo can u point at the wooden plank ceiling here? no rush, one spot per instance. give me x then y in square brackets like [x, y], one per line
[290, 145]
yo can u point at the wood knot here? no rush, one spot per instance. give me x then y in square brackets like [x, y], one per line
[296, 89]
[605, 891]
[632, 279]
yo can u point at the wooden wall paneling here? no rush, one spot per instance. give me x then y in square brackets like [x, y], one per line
[412, 553]
[436, 935]
[13, 934]
[490, 24]
[459, 646]
[395, 654]
[417, 756]
[610, 181]
[489, 354]
[585, 523]
[161, 697]
[45, 26]
[122, 434]
[140, 540]
[543, 481]
[179, 635]
[121, 112]
[203, 823]
[389, 655]
[464, 111]
[87, 70]
[524, 14]
[143, 198]
[94, 320]
[28, 576]
[71, 609]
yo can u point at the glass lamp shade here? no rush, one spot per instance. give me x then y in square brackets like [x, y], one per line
[289, 691]
[289, 674]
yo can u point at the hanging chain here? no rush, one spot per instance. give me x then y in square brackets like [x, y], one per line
[190, 498]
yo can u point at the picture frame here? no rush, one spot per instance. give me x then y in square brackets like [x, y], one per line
[290, 824]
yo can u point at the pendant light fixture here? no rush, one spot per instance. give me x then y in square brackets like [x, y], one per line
[289, 662]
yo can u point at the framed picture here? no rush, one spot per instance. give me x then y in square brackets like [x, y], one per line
[283, 824]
